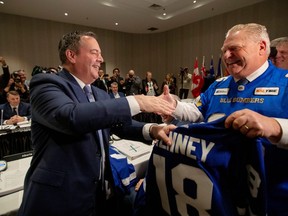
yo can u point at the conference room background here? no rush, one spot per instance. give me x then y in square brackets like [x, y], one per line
[26, 42]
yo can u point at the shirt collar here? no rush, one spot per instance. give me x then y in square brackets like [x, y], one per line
[257, 73]
[82, 84]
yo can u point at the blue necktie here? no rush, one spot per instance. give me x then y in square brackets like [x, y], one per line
[89, 94]
[242, 81]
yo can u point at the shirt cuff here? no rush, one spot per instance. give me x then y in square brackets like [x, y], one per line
[145, 131]
[133, 104]
[284, 139]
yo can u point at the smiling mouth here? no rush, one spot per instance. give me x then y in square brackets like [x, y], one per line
[232, 63]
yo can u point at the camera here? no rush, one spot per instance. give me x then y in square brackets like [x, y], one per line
[17, 80]
[16, 77]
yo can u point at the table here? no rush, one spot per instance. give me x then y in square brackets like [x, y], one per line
[141, 162]
[12, 179]
[15, 139]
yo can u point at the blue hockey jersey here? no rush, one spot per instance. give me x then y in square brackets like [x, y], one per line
[123, 171]
[208, 170]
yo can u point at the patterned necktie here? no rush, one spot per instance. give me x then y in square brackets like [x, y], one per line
[89, 94]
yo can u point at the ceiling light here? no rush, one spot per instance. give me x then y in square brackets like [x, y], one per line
[194, 1]
[1, 2]
[116, 23]
[66, 14]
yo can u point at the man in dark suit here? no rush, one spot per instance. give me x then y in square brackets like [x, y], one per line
[68, 132]
[15, 111]
[114, 91]
[102, 82]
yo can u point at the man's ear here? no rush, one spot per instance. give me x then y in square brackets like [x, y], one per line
[70, 55]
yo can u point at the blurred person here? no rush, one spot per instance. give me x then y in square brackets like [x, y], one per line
[19, 86]
[170, 82]
[4, 79]
[185, 79]
[70, 171]
[114, 91]
[245, 99]
[149, 85]
[116, 77]
[281, 58]
[103, 81]
[133, 84]
[15, 111]
[23, 78]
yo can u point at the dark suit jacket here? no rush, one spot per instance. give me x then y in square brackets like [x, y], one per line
[121, 94]
[63, 178]
[23, 110]
[4, 79]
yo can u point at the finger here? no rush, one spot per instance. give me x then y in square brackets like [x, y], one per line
[166, 90]
[233, 120]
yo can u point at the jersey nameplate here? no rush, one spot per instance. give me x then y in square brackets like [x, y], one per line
[221, 91]
[267, 91]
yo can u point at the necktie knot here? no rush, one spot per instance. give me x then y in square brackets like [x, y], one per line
[88, 91]
[242, 81]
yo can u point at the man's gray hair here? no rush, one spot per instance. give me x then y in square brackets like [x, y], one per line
[255, 32]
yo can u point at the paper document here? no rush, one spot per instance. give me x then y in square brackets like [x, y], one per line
[132, 149]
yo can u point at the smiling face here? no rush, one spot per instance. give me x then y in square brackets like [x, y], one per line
[87, 60]
[80, 54]
[243, 53]
[281, 59]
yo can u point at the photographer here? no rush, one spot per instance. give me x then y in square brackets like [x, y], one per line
[133, 84]
[185, 79]
[17, 84]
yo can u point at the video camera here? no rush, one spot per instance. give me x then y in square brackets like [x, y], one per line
[183, 71]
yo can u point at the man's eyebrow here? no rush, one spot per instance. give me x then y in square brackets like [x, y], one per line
[96, 50]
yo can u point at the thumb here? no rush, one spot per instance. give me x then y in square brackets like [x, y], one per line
[166, 90]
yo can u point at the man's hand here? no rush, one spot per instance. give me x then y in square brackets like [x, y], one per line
[167, 96]
[152, 104]
[2, 60]
[253, 124]
[161, 132]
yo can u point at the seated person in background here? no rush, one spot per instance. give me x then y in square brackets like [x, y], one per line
[114, 91]
[14, 110]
